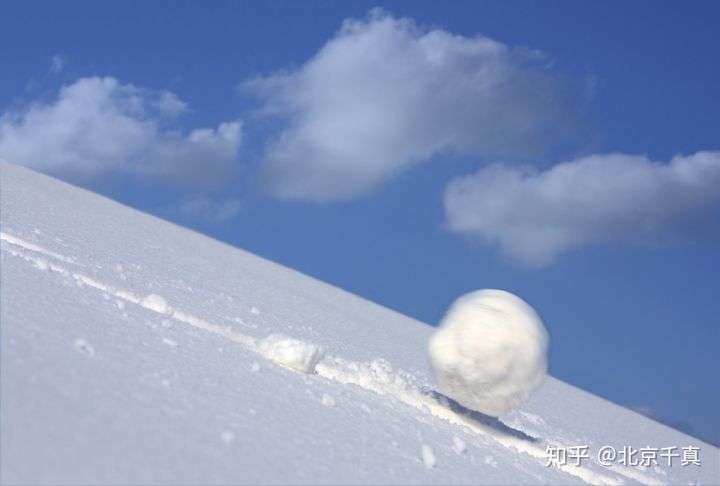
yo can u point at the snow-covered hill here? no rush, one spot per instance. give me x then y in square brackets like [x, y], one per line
[136, 351]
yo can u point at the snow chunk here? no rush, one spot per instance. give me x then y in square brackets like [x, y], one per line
[292, 353]
[428, 456]
[255, 367]
[41, 264]
[156, 303]
[490, 352]
[459, 445]
[328, 400]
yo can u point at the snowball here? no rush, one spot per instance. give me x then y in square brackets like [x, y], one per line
[292, 353]
[490, 352]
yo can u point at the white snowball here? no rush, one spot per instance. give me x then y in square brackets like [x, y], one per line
[490, 352]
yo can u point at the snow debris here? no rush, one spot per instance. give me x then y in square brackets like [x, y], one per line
[291, 353]
[328, 400]
[41, 264]
[84, 347]
[490, 352]
[490, 460]
[120, 304]
[255, 310]
[170, 342]
[255, 367]
[459, 445]
[428, 456]
[156, 303]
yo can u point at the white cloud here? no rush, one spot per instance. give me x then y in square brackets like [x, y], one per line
[615, 198]
[57, 64]
[98, 126]
[384, 95]
[208, 209]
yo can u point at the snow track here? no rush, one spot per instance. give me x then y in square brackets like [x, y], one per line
[377, 376]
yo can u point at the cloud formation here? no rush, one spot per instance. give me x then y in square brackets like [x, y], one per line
[384, 94]
[98, 126]
[534, 216]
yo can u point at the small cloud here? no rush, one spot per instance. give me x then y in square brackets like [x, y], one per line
[169, 104]
[57, 64]
[99, 126]
[617, 198]
[203, 208]
[385, 94]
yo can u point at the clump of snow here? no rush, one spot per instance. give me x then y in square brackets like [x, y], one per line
[490, 352]
[156, 303]
[328, 400]
[459, 445]
[292, 353]
[255, 367]
[428, 456]
[42, 264]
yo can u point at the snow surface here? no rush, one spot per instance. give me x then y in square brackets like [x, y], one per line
[134, 351]
[490, 352]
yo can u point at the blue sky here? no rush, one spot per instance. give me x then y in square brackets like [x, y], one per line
[564, 151]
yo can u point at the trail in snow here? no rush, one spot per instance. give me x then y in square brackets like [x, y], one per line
[377, 376]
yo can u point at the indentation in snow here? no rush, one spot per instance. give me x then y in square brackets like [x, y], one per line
[156, 303]
[428, 456]
[291, 353]
[84, 347]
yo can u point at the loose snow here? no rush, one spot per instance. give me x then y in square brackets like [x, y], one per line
[292, 353]
[156, 303]
[459, 445]
[328, 400]
[490, 352]
[428, 456]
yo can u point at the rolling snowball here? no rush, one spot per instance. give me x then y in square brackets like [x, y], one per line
[490, 351]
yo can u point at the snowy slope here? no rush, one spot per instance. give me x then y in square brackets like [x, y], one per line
[136, 351]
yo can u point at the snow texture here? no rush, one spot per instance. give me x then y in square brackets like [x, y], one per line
[490, 352]
[94, 391]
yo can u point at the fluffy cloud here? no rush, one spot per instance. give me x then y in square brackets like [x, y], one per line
[98, 126]
[534, 216]
[384, 94]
